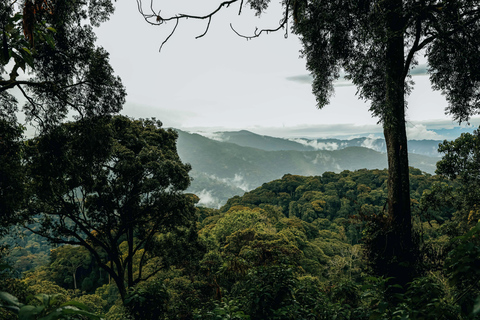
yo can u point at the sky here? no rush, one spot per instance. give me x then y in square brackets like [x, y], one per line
[222, 82]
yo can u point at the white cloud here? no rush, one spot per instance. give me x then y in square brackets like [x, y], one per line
[420, 132]
[326, 159]
[240, 183]
[208, 200]
[370, 143]
[237, 181]
[217, 136]
[317, 145]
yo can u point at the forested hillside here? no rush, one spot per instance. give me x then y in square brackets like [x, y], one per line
[222, 170]
[293, 248]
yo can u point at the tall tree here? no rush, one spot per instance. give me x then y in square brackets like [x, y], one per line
[376, 43]
[49, 58]
[109, 185]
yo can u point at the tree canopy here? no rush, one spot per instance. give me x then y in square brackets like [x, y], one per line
[461, 161]
[49, 55]
[109, 185]
[50, 60]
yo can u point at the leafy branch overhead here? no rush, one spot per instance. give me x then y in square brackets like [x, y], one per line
[49, 57]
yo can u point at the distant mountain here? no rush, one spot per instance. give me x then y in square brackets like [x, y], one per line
[224, 169]
[249, 139]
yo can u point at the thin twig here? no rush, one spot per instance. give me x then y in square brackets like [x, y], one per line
[206, 30]
[169, 36]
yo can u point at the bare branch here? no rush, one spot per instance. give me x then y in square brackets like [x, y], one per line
[240, 8]
[257, 33]
[34, 105]
[158, 20]
[206, 30]
[171, 34]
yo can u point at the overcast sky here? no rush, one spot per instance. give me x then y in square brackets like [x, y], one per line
[223, 82]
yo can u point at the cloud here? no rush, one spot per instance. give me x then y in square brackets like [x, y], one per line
[308, 79]
[217, 136]
[317, 145]
[371, 143]
[419, 70]
[326, 159]
[304, 78]
[420, 132]
[237, 181]
[208, 200]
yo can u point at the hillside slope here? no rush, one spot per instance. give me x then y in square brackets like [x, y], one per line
[223, 169]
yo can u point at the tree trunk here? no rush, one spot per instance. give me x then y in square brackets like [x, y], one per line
[399, 245]
[130, 257]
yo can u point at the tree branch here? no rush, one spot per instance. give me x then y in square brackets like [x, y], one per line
[159, 20]
[414, 49]
[171, 34]
[154, 18]
[282, 24]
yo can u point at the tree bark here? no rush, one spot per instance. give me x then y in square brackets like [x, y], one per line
[130, 257]
[401, 248]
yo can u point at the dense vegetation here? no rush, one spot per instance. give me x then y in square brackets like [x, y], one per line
[294, 248]
[108, 192]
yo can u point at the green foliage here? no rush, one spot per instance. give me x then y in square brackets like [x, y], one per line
[53, 43]
[461, 161]
[68, 259]
[149, 302]
[12, 173]
[227, 309]
[253, 262]
[462, 267]
[120, 182]
[45, 307]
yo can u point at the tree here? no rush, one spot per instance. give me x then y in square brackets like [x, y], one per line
[11, 173]
[376, 43]
[461, 161]
[48, 56]
[109, 185]
[70, 258]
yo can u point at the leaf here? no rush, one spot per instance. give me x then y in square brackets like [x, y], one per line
[27, 51]
[12, 300]
[476, 307]
[77, 304]
[28, 312]
[49, 40]
[27, 57]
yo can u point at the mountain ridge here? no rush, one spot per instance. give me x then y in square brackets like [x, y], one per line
[222, 169]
